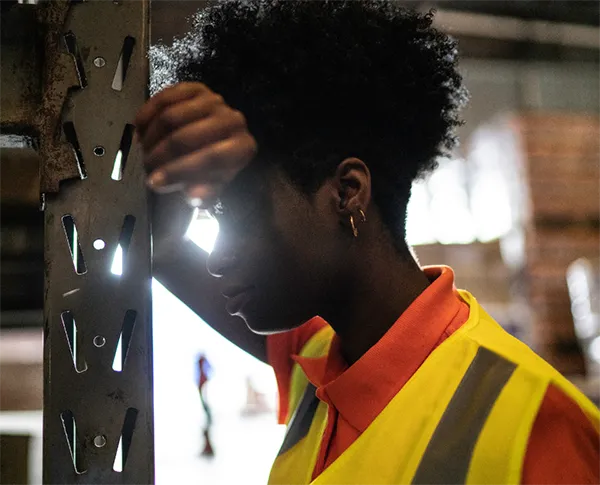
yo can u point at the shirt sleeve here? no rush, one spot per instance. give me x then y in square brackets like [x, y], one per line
[280, 348]
[563, 445]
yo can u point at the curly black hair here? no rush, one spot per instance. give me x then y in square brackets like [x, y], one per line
[319, 81]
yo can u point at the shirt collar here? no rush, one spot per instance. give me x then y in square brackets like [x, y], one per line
[361, 391]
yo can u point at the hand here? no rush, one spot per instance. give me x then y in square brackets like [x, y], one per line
[193, 141]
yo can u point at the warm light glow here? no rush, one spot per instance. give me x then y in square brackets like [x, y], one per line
[457, 205]
[418, 222]
[490, 206]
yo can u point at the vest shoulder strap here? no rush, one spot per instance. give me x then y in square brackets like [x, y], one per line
[317, 346]
[484, 330]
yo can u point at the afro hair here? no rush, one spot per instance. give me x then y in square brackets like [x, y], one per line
[319, 81]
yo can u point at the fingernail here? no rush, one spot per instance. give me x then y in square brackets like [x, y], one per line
[157, 179]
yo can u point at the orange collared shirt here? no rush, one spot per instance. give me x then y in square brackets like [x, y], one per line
[563, 445]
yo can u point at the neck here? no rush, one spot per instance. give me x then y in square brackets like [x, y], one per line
[384, 286]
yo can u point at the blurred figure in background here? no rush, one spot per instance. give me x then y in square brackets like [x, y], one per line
[205, 373]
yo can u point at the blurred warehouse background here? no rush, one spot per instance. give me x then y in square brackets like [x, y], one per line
[526, 183]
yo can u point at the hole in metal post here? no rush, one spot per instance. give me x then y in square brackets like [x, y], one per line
[71, 136]
[73, 242]
[119, 262]
[99, 244]
[123, 64]
[99, 341]
[124, 340]
[122, 153]
[73, 49]
[125, 440]
[99, 151]
[70, 429]
[100, 441]
[75, 341]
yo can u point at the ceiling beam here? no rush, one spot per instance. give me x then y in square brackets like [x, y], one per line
[460, 23]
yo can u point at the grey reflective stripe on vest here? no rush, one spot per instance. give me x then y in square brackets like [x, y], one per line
[301, 419]
[448, 454]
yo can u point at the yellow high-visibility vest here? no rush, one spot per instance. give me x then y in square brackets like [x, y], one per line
[464, 417]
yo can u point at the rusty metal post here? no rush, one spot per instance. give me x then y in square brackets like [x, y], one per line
[98, 407]
[73, 75]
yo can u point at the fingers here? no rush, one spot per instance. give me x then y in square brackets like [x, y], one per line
[194, 137]
[175, 116]
[214, 165]
[167, 97]
[193, 141]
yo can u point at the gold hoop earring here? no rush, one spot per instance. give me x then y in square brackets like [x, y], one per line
[362, 215]
[354, 230]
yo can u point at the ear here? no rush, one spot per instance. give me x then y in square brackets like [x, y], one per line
[352, 181]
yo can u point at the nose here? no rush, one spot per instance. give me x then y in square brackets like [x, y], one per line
[219, 262]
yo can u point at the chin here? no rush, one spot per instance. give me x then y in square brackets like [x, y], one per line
[270, 325]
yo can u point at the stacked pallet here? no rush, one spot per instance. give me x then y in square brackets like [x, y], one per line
[561, 161]
[560, 154]
[479, 268]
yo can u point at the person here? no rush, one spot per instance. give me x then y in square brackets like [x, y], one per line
[204, 375]
[301, 126]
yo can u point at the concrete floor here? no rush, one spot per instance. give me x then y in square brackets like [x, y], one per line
[244, 452]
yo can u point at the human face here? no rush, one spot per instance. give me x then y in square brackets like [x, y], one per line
[279, 255]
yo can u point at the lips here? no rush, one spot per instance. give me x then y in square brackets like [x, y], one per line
[237, 297]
